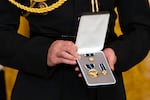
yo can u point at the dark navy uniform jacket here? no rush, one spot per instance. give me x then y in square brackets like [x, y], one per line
[36, 81]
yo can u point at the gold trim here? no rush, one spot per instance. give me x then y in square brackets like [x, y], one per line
[92, 3]
[39, 10]
[95, 6]
[38, 0]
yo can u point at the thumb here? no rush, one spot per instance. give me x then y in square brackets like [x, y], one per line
[111, 63]
[111, 57]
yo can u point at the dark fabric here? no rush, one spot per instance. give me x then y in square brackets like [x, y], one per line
[135, 25]
[36, 81]
[2, 86]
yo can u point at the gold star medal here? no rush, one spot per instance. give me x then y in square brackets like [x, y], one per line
[93, 73]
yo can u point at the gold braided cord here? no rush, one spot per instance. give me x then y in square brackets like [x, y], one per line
[39, 10]
[94, 4]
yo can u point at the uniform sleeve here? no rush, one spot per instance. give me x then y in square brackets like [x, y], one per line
[9, 39]
[133, 45]
[25, 54]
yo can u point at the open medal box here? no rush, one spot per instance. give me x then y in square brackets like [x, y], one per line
[90, 41]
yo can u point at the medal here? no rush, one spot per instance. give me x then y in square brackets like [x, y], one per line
[103, 69]
[93, 73]
[90, 57]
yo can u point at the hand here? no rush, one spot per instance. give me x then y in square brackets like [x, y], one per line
[62, 52]
[77, 69]
[111, 57]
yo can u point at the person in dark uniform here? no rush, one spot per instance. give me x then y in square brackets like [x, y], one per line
[47, 59]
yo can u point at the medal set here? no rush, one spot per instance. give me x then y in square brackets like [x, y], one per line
[90, 40]
[91, 67]
[95, 69]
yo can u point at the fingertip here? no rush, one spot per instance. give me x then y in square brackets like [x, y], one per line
[76, 69]
[112, 68]
[80, 75]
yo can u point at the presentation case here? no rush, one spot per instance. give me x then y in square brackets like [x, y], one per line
[90, 41]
